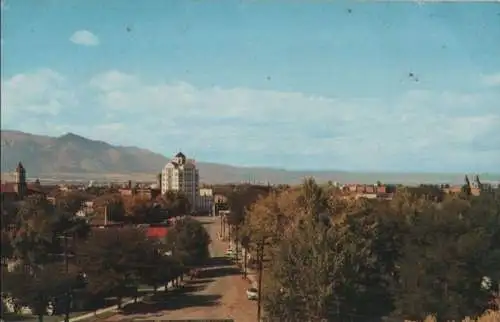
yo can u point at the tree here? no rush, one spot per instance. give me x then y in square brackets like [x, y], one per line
[110, 205]
[37, 287]
[299, 286]
[414, 255]
[432, 192]
[100, 191]
[313, 199]
[140, 210]
[159, 268]
[188, 240]
[445, 256]
[176, 203]
[8, 212]
[114, 259]
[7, 249]
[33, 238]
[72, 201]
[240, 199]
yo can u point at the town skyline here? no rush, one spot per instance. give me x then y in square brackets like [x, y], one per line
[359, 87]
[141, 165]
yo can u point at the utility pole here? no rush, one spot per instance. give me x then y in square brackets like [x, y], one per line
[66, 257]
[261, 259]
[106, 214]
[236, 241]
[223, 220]
[245, 262]
[68, 292]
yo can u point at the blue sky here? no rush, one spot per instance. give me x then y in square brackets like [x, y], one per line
[394, 86]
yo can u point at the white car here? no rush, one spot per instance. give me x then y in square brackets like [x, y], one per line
[252, 294]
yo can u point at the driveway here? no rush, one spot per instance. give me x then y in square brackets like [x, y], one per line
[219, 292]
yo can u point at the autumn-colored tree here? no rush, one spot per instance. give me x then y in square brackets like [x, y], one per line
[175, 203]
[100, 191]
[110, 205]
[72, 201]
[403, 258]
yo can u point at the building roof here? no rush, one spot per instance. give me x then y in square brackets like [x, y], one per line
[157, 232]
[180, 155]
[8, 187]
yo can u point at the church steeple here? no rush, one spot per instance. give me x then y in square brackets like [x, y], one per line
[20, 180]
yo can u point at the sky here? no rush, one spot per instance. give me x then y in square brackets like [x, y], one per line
[356, 86]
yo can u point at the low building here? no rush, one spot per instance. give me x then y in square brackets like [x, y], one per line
[205, 200]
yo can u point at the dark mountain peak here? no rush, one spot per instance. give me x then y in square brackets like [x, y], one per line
[75, 139]
[72, 136]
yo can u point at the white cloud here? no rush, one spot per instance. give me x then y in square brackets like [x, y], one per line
[84, 38]
[114, 80]
[42, 93]
[418, 129]
[492, 80]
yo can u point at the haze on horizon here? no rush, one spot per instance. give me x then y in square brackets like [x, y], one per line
[390, 87]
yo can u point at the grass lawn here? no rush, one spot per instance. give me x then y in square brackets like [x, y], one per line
[12, 317]
[101, 316]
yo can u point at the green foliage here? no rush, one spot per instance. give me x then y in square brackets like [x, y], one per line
[36, 287]
[159, 269]
[242, 197]
[420, 253]
[34, 235]
[7, 249]
[176, 203]
[71, 202]
[313, 199]
[110, 205]
[114, 259]
[188, 240]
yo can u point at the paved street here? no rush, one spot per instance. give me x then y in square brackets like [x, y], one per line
[219, 293]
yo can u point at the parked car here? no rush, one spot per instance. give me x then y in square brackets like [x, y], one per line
[252, 294]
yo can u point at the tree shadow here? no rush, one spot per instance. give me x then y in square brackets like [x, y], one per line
[175, 301]
[218, 261]
[217, 272]
[188, 287]
[7, 316]
[205, 221]
[204, 280]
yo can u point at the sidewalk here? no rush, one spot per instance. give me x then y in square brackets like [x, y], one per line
[95, 314]
[252, 274]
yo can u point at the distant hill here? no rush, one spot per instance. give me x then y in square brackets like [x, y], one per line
[72, 157]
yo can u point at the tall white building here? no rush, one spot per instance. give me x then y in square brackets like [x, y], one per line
[180, 174]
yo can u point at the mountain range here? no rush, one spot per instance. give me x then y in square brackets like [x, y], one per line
[73, 157]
